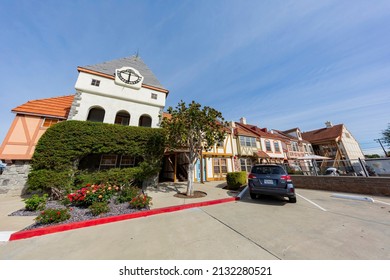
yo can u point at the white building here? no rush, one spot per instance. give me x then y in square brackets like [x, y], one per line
[122, 91]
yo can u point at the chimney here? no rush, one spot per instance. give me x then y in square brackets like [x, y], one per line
[232, 124]
[328, 124]
[243, 120]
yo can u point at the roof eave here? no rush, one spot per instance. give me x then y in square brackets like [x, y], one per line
[100, 74]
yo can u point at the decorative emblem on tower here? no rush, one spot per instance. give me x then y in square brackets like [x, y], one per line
[128, 77]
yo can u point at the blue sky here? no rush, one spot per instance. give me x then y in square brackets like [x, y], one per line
[280, 64]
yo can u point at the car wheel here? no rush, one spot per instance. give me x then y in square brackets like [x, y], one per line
[253, 196]
[292, 199]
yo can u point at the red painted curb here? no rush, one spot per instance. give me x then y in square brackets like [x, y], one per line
[99, 221]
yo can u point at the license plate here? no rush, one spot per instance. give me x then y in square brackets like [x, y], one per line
[269, 182]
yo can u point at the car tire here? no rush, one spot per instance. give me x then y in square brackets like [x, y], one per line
[292, 199]
[253, 196]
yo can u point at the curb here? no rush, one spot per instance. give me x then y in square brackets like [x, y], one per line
[100, 221]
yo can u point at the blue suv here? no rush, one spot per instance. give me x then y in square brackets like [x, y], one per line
[271, 179]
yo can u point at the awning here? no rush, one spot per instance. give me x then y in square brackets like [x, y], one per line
[313, 157]
[261, 154]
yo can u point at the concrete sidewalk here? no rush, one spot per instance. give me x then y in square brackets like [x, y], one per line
[162, 196]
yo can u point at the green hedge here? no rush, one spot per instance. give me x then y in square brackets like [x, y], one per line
[49, 181]
[63, 145]
[236, 179]
[61, 148]
[114, 176]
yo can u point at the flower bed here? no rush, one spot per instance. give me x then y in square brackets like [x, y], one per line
[79, 205]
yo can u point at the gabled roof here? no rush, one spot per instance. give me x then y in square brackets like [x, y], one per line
[49, 107]
[287, 136]
[108, 69]
[323, 134]
[239, 130]
[258, 131]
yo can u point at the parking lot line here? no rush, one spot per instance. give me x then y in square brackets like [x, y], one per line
[374, 200]
[308, 200]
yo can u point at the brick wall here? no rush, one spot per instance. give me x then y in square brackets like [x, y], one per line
[359, 185]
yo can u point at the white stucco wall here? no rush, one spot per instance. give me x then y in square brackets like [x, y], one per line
[113, 98]
[351, 146]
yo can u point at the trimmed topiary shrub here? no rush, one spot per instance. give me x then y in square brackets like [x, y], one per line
[36, 202]
[55, 183]
[63, 145]
[59, 151]
[113, 176]
[127, 194]
[98, 208]
[235, 180]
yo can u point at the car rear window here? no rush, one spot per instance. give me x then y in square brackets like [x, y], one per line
[268, 170]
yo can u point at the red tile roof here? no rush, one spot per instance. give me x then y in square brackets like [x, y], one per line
[53, 107]
[323, 134]
[258, 131]
[166, 115]
[262, 154]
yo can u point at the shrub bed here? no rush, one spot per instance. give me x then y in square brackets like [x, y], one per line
[56, 159]
[235, 180]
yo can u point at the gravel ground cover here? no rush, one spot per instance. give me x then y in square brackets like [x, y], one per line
[77, 213]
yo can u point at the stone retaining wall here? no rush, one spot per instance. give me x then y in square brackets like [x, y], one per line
[13, 181]
[360, 185]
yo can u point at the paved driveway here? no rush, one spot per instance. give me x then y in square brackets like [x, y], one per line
[318, 226]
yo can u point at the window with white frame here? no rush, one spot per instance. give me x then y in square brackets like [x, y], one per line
[277, 147]
[108, 161]
[295, 146]
[220, 166]
[246, 164]
[268, 146]
[247, 141]
[127, 161]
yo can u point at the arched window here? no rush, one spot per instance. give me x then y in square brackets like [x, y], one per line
[145, 121]
[122, 118]
[96, 114]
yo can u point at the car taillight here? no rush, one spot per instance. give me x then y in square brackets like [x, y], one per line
[286, 177]
[251, 176]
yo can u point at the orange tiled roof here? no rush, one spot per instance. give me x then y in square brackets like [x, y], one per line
[54, 107]
[323, 134]
[262, 154]
[167, 115]
[244, 132]
[258, 131]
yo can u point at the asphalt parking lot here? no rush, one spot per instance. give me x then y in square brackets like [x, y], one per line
[319, 226]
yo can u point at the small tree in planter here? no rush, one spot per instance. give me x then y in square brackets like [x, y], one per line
[195, 129]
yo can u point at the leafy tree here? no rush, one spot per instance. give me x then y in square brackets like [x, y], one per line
[386, 137]
[195, 129]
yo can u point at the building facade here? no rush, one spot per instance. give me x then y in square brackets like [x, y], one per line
[336, 143]
[122, 91]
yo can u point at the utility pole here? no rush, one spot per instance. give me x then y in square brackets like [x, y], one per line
[384, 150]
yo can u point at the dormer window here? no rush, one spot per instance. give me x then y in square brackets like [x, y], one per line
[95, 83]
[154, 96]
